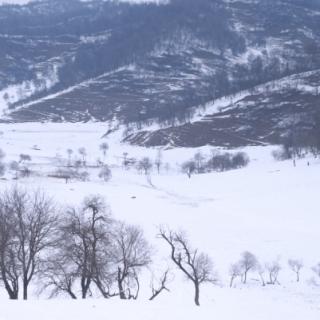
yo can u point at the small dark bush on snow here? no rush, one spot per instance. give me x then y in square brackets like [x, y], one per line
[227, 161]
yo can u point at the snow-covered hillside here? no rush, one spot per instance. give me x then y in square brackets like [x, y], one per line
[269, 208]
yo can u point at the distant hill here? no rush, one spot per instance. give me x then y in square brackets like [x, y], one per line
[146, 64]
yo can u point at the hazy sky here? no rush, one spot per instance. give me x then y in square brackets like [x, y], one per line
[26, 1]
[14, 1]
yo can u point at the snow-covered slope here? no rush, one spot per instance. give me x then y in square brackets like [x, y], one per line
[262, 115]
[269, 208]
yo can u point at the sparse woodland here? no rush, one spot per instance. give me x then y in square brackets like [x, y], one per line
[84, 251]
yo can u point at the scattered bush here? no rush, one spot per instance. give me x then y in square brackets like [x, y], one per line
[282, 154]
[296, 266]
[217, 162]
[145, 165]
[24, 158]
[105, 173]
[188, 168]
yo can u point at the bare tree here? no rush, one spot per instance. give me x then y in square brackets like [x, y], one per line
[104, 148]
[34, 226]
[158, 161]
[14, 166]
[234, 272]
[131, 253]
[9, 264]
[25, 172]
[296, 266]
[161, 286]
[273, 269]
[189, 168]
[248, 262]
[199, 158]
[85, 237]
[145, 165]
[261, 271]
[83, 152]
[195, 265]
[125, 161]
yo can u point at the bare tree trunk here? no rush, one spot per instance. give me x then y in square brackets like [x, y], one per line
[245, 277]
[13, 293]
[231, 281]
[85, 285]
[197, 293]
[120, 285]
[11, 286]
[25, 290]
[72, 295]
[13, 296]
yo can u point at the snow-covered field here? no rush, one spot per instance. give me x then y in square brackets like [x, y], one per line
[269, 208]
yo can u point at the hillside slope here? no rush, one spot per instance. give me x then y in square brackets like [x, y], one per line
[265, 114]
[147, 63]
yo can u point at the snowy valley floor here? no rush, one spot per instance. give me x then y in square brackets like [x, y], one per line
[269, 208]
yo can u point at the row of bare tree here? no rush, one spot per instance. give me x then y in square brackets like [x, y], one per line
[79, 248]
[82, 251]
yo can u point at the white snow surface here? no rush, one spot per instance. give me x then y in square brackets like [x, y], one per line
[269, 208]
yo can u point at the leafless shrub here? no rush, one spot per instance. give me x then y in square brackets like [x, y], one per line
[24, 158]
[296, 265]
[105, 173]
[273, 269]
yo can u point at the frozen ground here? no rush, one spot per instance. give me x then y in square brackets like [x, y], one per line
[269, 208]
